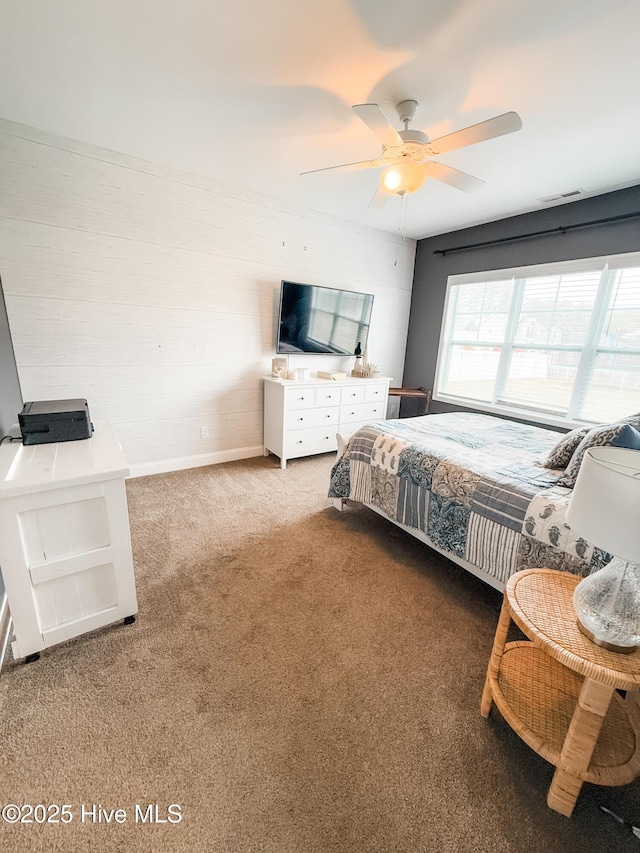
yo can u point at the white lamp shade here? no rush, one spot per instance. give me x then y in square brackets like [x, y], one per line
[605, 504]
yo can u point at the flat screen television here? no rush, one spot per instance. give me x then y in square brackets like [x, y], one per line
[315, 319]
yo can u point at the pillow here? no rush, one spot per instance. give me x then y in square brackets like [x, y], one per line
[614, 435]
[561, 454]
[634, 420]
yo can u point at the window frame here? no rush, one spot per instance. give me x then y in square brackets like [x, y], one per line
[606, 265]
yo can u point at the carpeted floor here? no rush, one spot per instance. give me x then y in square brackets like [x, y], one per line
[298, 680]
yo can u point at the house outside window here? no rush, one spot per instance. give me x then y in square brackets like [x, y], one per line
[558, 343]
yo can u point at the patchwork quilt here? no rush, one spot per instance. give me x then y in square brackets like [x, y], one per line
[474, 485]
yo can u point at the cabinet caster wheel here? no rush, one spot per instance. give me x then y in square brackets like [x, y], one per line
[32, 658]
[129, 620]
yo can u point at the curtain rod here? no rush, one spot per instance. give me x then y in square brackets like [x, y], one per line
[561, 229]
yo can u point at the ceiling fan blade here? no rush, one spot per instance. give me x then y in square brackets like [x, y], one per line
[453, 177]
[376, 121]
[346, 167]
[489, 129]
[378, 199]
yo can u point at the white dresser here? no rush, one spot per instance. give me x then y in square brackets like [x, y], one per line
[302, 417]
[65, 548]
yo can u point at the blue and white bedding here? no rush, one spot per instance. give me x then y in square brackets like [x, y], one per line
[473, 485]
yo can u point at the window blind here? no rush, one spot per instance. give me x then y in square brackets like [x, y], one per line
[558, 343]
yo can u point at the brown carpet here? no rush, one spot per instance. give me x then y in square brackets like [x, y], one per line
[298, 680]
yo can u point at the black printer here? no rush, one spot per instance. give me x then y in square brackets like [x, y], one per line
[47, 421]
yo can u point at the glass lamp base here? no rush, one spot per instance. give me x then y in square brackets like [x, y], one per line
[605, 644]
[607, 604]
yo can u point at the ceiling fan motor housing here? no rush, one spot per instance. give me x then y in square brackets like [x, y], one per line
[414, 136]
[412, 148]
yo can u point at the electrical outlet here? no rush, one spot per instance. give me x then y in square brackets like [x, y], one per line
[205, 432]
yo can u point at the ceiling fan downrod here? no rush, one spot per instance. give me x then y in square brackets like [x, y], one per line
[407, 112]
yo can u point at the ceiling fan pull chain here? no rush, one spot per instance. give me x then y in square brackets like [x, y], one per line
[403, 214]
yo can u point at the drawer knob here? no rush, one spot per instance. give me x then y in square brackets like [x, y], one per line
[327, 416]
[352, 413]
[300, 419]
[299, 441]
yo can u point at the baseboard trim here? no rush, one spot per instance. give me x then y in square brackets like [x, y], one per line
[198, 461]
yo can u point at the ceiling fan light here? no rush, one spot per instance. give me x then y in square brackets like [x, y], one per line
[391, 179]
[403, 178]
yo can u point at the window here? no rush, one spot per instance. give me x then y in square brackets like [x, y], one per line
[558, 343]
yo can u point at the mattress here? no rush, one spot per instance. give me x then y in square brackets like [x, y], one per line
[474, 485]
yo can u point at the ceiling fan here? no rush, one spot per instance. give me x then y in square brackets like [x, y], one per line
[406, 154]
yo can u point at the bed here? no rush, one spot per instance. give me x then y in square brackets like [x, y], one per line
[471, 486]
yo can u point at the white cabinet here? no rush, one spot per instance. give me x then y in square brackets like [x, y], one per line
[302, 417]
[65, 548]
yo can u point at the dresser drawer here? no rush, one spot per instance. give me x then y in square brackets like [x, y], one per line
[303, 418]
[362, 412]
[374, 392]
[304, 442]
[352, 394]
[329, 396]
[299, 398]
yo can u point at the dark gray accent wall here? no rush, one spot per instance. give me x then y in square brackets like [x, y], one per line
[10, 393]
[432, 270]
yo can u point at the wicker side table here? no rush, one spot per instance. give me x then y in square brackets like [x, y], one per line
[558, 691]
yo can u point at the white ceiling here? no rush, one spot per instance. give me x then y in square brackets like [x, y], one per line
[251, 93]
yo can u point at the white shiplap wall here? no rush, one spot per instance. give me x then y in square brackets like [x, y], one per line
[153, 293]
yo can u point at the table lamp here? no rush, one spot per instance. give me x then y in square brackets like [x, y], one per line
[605, 510]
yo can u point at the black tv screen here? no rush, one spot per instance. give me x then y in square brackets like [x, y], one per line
[322, 319]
